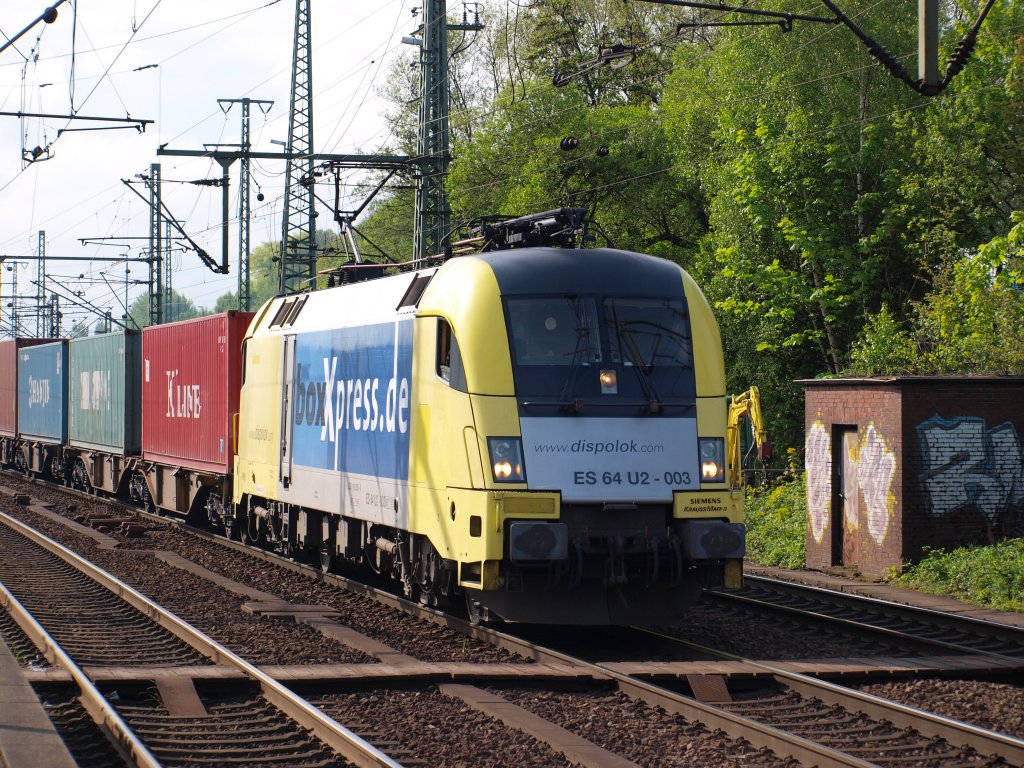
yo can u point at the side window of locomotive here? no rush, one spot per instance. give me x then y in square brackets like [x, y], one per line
[449, 357]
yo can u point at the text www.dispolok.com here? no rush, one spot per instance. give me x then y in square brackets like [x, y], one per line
[597, 446]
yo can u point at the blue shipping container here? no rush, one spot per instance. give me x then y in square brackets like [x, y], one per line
[43, 392]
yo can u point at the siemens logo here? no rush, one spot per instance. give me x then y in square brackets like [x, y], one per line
[358, 404]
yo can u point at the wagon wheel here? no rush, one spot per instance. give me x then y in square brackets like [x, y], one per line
[327, 559]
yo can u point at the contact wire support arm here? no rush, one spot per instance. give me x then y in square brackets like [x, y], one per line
[206, 258]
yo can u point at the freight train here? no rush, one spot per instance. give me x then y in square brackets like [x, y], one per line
[537, 431]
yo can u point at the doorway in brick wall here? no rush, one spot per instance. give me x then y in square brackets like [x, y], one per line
[845, 498]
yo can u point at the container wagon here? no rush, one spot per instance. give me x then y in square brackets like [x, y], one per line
[191, 375]
[42, 401]
[9, 393]
[104, 411]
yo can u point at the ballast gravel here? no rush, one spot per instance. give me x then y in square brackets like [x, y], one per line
[644, 734]
[996, 706]
[429, 723]
[649, 736]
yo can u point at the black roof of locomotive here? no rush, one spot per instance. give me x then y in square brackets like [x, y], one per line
[582, 271]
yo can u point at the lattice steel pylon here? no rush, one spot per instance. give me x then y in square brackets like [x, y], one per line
[244, 201]
[170, 311]
[156, 251]
[298, 239]
[432, 215]
[41, 286]
[432, 224]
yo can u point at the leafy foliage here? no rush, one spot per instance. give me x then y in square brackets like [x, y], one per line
[972, 322]
[776, 523]
[885, 347]
[990, 576]
[830, 214]
[181, 308]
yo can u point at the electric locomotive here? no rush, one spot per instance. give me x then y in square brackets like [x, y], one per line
[539, 431]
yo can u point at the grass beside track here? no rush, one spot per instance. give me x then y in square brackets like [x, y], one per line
[990, 576]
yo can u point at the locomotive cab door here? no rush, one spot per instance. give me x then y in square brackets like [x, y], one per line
[288, 370]
[446, 454]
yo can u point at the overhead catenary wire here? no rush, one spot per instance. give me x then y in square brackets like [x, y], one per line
[572, 160]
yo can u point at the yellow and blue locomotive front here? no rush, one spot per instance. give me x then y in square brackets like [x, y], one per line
[596, 394]
[542, 429]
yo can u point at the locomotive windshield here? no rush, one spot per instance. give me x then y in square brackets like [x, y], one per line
[567, 348]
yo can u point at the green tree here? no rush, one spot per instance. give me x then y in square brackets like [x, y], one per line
[972, 322]
[182, 308]
[833, 189]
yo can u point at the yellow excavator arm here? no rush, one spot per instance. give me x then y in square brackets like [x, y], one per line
[745, 404]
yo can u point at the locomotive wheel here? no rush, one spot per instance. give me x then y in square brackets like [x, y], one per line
[477, 613]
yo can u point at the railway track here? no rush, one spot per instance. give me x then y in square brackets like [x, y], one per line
[99, 621]
[771, 706]
[910, 625]
[792, 714]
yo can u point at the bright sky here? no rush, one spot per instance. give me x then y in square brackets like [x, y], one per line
[203, 51]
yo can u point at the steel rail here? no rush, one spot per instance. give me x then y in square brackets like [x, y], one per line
[128, 745]
[328, 730]
[737, 726]
[994, 629]
[759, 734]
[864, 627]
[953, 731]
[781, 742]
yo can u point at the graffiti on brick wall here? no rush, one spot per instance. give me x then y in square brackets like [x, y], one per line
[876, 468]
[818, 464]
[968, 464]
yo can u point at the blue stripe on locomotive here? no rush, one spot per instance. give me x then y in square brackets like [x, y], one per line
[43, 391]
[351, 410]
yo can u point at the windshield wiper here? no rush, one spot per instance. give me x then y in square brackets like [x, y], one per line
[639, 365]
[582, 331]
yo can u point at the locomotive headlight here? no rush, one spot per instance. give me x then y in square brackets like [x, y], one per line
[609, 382]
[712, 459]
[507, 459]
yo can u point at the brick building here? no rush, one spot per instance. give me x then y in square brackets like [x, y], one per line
[898, 464]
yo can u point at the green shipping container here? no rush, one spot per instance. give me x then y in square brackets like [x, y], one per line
[105, 392]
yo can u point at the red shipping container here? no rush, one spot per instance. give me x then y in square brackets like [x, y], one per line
[9, 382]
[191, 378]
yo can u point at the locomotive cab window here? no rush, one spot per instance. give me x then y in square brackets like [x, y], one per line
[566, 348]
[449, 358]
